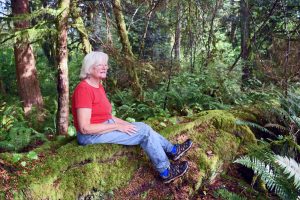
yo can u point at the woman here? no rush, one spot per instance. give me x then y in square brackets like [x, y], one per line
[95, 124]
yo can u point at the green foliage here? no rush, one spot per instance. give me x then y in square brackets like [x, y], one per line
[15, 134]
[291, 168]
[22, 159]
[193, 91]
[276, 172]
[280, 123]
[127, 107]
[254, 125]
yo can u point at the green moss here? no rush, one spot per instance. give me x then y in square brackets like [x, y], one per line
[75, 170]
[70, 170]
[219, 140]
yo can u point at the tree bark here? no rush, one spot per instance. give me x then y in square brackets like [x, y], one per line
[62, 119]
[245, 41]
[27, 80]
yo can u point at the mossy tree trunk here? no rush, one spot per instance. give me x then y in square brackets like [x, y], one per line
[27, 80]
[79, 25]
[129, 61]
[126, 47]
[107, 22]
[62, 68]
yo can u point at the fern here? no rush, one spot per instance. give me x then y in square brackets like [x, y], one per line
[15, 133]
[259, 168]
[254, 125]
[291, 168]
[273, 175]
[277, 126]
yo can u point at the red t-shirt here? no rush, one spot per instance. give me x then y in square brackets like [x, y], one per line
[87, 96]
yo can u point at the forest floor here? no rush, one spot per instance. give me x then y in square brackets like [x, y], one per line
[145, 185]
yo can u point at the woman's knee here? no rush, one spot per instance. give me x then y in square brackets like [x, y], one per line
[143, 129]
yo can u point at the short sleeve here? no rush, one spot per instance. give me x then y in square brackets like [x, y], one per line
[82, 98]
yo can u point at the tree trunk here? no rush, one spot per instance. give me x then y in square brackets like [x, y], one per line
[109, 39]
[178, 33]
[152, 6]
[27, 80]
[62, 69]
[233, 26]
[122, 28]
[211, 34]
[142, 44]
[129, 62]
[245, 41]
[79, 25]
[2, 88]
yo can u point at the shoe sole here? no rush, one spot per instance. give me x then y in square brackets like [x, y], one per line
[177, 176]
[179, 156]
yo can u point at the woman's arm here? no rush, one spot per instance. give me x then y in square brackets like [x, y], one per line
[85, 127]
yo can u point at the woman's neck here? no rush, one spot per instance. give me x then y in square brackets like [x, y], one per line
[93, 82]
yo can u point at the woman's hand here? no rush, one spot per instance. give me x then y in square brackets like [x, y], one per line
[126, 128]
[121, 121]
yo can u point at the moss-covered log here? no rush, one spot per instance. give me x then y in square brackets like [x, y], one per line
[65, 170]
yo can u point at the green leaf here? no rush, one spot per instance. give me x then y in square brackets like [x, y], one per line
[16, 157]
[32, 155]
[71, 131]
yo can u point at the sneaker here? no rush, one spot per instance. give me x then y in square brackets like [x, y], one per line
[175, 171]
[180, 149]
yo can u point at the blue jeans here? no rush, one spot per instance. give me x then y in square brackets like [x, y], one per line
[153, 143]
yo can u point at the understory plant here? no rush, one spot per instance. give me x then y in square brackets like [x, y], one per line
[280, 173]
[15, 133]
[274, 160]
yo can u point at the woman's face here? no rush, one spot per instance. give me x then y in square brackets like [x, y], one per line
[99, 71]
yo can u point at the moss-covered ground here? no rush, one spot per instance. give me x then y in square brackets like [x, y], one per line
[65, 170]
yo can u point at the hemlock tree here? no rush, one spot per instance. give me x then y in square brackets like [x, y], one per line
[27, 81]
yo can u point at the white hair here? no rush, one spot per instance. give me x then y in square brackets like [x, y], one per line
[92, 59]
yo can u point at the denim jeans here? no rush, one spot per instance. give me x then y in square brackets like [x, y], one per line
[153, 143]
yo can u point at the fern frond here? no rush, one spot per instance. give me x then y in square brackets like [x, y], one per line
[259, 168]
[274, 180]
[296, 120]
[291, 168]
[277, 126]
[254, 125]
